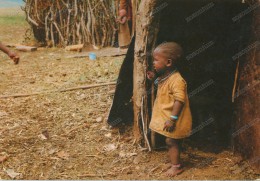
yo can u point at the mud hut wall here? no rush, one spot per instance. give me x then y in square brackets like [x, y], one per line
[247, 124]
[246, 142]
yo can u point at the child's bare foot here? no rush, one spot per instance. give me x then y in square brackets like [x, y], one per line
[174, 170]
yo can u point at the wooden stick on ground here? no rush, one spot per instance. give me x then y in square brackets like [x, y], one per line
[26, 48]
[96, 175]
[235, 83]
[96, 156]
[74, 47]
[87, 87]
[64, 90]
[144, 130]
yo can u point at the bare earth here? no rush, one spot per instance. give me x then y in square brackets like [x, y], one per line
[65, 136]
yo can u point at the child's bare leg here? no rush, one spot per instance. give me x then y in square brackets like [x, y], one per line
[174, 154]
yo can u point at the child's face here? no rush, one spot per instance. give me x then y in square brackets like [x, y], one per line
[122, 12]
[161, 63]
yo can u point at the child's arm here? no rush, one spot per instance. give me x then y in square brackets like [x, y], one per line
[177, 108]
[12, 55]
[122, 20]
[118, 19]
[4, 49]
[179, 89]
[170, 124]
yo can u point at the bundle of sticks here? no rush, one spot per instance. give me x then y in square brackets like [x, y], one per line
[69, 22]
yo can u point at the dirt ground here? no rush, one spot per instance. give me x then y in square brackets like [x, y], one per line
[65, 136]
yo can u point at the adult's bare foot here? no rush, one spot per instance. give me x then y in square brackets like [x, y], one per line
[173, 171]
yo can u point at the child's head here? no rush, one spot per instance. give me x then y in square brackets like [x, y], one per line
[166, 55]
[122, 12]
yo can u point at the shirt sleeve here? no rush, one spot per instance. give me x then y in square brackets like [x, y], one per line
[179, 89]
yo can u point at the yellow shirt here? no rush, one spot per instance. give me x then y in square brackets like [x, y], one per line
[172, 89]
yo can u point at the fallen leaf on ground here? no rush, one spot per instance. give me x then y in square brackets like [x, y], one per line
[108, 135]
[2, 113]
[137, 160]
[45, 133]
[143, 149]
[166, 166]
[3, 158]
[43, 137]
[53, 151]
[109, 147]
[104, 128]
[11, 173]
[94, 125]
[122, 154]
[63, 155]
[132, 154]
[99, 119]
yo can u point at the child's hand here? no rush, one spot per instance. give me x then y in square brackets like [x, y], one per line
[122, 19]
[119, 19]
[169, 126]
[14, 57]
[150, 75]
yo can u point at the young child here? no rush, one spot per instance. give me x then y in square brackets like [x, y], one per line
[171, 115]
[124, 32]
[12, 55]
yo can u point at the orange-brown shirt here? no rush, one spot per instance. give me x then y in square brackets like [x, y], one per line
[172, 89]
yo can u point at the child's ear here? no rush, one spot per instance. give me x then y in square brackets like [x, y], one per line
[169, 62]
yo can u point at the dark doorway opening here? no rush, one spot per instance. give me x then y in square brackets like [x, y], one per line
[211, 33]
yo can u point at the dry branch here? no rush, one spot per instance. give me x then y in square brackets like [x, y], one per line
[63, 90]
[74, 47]
[96, 175]
[26, 48]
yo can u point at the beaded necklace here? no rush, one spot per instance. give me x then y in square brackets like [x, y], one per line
[157, 81]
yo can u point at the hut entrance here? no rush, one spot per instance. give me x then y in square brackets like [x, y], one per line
[211, 33]
[215, 36]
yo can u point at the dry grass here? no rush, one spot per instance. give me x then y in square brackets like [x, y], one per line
[12, 21]
[15, 11]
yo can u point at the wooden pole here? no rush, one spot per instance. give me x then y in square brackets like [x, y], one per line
[146, 27]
